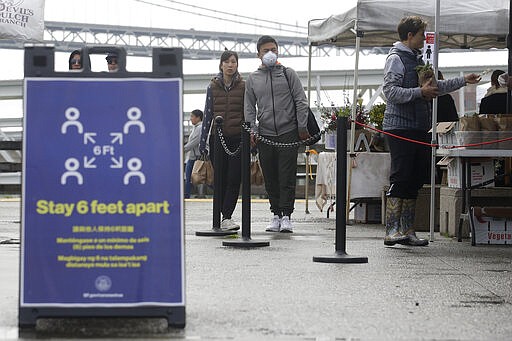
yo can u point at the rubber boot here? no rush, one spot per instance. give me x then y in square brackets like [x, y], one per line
[393, 213]
[407, 222]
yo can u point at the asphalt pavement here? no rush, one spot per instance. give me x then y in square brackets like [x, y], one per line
[447, 291]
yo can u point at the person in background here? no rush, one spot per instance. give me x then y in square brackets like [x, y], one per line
[495, 100]
[112, 62]
[495, 84]
[408, 114]
[191, 148]
[505, 80]
[75, 60]
[225, 97]
[275, 97]
[446, 109]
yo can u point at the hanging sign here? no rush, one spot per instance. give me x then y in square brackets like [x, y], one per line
[429, 46]
[22, 20]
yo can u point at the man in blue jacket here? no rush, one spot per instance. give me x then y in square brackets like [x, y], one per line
[277, 100]
[408, 114]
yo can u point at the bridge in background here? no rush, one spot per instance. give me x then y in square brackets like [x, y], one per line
[139, 41]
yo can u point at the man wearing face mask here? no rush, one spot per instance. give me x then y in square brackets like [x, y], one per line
[278, 102]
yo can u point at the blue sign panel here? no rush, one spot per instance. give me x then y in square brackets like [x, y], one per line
[102, 215]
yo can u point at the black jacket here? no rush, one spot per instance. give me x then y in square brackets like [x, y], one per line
[494, 104]
[446, 109]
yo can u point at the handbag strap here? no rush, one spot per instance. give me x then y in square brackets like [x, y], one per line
[290, 88]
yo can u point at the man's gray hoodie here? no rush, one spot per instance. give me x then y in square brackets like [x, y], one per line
[278, 107]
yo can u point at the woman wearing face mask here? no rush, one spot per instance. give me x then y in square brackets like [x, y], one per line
[225, 97]
[275, 96]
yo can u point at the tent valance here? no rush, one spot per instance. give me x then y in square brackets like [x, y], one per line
[473, 24]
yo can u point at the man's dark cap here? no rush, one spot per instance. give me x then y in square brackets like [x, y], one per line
[111, 55]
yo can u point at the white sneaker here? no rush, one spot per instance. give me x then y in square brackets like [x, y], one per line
[229, 225]
[275, 224]
[286, 225]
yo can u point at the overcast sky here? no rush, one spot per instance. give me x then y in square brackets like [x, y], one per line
[196, 14]
[255, 17]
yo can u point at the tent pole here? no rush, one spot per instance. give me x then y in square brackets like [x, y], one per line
[509, 46]
[353, 114]
[309, 75]
[354, 96]
[434, 129]
[306, 181]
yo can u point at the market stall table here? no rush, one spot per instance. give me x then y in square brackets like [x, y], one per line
[465, 155]
[370, 174]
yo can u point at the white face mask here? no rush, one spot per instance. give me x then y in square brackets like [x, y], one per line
[269, 59]
[503, 79]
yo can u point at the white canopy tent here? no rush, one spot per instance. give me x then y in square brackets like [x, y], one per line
[473, 24]
[459, 24]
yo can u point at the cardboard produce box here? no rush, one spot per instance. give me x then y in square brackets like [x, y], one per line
[482, 171]
[491, 225]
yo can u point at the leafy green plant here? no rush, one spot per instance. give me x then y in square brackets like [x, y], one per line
[425, 72]
[376, 115]
[345, 111]
[424, 68]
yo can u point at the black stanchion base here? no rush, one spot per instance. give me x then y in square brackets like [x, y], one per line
[245, 242]
[215, 232]
[340, 257]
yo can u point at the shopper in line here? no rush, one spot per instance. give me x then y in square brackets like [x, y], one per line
[275, 97]
[225, 97]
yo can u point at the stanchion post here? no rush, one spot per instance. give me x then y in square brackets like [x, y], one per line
[217, 186]
[340, 256]
[217, 175]
[306, 182]
[246, 184]
[341, 185]
[246, 240]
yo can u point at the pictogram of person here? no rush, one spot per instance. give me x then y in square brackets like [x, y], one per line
[72, 115]
[71, 165]
[134, 114]
[134, 165]
[428, 52]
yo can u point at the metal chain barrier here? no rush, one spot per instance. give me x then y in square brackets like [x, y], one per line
[282, 144]
[225, 146]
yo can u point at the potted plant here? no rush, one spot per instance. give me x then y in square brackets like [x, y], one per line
[425, 73]
[376, 117]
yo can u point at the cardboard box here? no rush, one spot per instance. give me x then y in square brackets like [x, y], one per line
[482, 171]
[446, 133]
[368, 213]
[489, 229]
